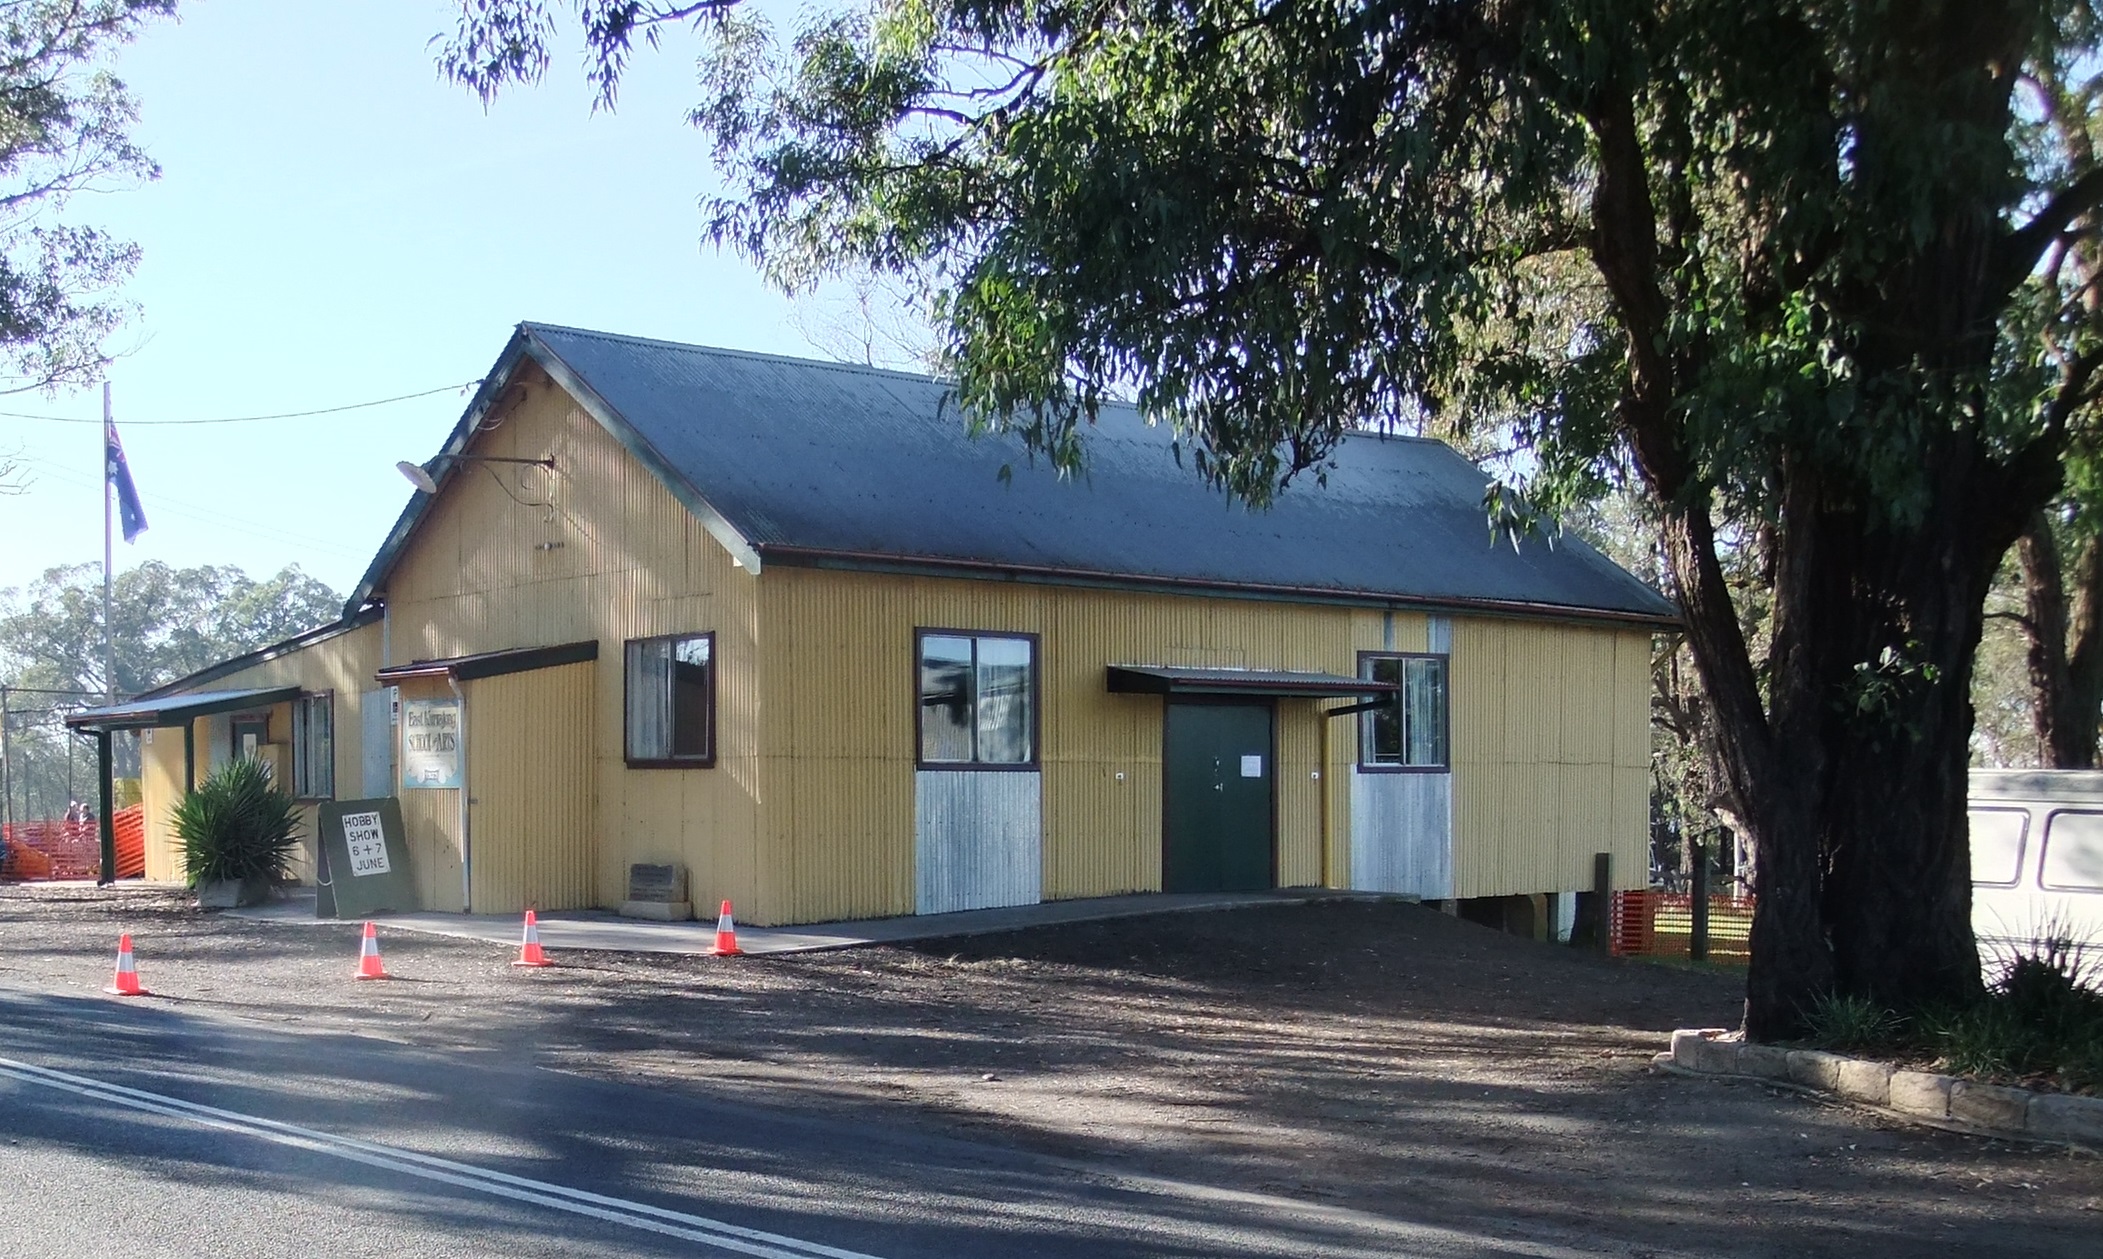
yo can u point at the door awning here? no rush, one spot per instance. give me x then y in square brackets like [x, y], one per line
[177, 710]
[1148, 679]
[493, 664]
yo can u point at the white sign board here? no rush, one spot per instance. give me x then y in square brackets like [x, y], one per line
[430, 743]
[1252, 767]
[367, 842]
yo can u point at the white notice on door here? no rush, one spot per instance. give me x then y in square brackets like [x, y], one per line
[367, 843]
[1252, 767]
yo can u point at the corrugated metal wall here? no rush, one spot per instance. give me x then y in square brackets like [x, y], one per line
[160, 785]
[978, 840]
[530, 775]
[1551, 753]
[839, 728]
[343, 664]
[600, 550]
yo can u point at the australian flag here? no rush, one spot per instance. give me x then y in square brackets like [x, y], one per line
[131, 517]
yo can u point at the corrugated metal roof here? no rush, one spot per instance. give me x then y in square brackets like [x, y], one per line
[824, 463]
[176, 710]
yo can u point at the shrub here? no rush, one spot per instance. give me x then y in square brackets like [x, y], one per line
[237, 826]
[1844, 1022]
[2042, 1018]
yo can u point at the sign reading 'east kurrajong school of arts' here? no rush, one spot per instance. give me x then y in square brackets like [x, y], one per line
[430, 743]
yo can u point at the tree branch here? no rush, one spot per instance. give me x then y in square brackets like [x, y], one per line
[2023, 247]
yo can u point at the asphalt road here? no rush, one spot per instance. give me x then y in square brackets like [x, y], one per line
[139, 1129]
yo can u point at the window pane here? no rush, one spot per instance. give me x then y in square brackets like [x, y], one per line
[321, 748]
[945, 698]
[1004, 701]
[689, 696]
[1380, 729]
[649, 700]
[1997, 845]
[2074, 852]
[1424, 702]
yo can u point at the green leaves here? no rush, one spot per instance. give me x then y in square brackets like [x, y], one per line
[237, 825]
[65, 128]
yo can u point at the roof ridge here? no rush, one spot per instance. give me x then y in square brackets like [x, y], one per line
[692, 347]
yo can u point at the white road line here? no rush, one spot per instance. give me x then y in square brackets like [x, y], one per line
[636, 1215]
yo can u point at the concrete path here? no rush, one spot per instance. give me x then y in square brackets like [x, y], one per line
[595, 929]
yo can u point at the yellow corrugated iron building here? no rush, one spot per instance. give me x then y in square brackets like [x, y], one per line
[783, 625]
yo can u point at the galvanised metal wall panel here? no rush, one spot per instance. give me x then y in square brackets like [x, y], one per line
[978, 840]
[1402, 834]
[599, 550]
[375, 736]
[532, 783]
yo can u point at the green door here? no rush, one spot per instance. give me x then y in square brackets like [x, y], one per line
[1216, 788]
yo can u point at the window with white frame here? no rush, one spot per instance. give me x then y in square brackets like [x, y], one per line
[977, 699]
[1409, 730]
[314, 747]
[671, 688]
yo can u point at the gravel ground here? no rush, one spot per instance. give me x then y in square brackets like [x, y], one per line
[1377, 1056]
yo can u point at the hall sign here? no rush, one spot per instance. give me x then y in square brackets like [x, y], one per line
[430, 743]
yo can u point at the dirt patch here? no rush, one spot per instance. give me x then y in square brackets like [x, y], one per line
[1378, 1056]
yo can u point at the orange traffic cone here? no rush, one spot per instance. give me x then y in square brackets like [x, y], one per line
[369, 965]
[529, 953]
[726, 935]
[126, 981]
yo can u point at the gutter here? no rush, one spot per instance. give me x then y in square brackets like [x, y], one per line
[865, 561]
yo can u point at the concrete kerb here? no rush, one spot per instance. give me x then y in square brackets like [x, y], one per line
[1928, 1098]
[603, 932]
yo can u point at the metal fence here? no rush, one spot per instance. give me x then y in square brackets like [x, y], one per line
[49, 850]
[1656, 923]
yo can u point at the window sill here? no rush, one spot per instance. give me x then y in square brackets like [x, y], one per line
[1404, 769]
[978, 767]
[673, 762]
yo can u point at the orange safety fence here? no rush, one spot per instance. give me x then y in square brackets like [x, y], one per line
[1653, 923]
[44, 850]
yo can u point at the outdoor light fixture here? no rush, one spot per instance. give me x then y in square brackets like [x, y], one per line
[420, 476]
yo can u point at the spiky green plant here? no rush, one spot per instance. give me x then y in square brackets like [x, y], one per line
[1836, 1021]
[237, 825]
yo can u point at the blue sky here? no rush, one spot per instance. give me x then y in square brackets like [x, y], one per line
[334, 224]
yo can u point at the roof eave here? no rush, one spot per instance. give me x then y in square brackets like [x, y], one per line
[924, 566]
[263, 655]
[130, 716]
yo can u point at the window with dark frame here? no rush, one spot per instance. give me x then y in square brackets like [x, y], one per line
[314, 747]
[671, 701]
[1410, 732]
[978, 699]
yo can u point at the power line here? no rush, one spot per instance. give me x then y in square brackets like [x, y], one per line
[249, 419]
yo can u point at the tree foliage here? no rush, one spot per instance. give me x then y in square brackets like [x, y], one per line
[1809, 272]
[168, 622]
[65, 128]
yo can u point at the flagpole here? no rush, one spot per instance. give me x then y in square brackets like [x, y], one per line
[109, 640]
[105, 820]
